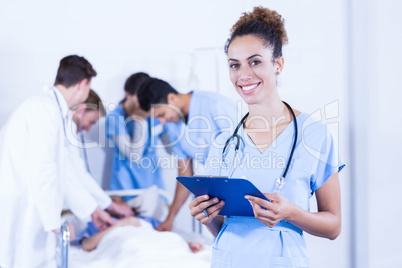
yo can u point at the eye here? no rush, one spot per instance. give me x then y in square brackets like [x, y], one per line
[234, 66]
[255, 62]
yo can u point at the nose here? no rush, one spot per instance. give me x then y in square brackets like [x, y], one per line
[88, 128]
[162, 120]
[246, 73]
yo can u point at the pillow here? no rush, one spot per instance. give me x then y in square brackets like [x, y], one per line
[150, 203]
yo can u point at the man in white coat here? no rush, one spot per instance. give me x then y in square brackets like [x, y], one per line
[33, 149]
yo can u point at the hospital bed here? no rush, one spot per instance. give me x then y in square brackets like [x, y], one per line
[99, 161]
[71, 255]
[63, 238]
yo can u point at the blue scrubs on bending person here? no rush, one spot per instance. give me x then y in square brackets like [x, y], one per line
[134, 135]
[201, 116]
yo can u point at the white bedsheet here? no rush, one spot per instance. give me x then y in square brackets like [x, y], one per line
[139, 247]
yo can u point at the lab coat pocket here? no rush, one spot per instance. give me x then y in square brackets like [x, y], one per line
[280, 262]
[221, 259]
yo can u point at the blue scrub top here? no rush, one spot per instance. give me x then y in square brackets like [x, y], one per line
[210, 115]
[126, 174]
[245, 241]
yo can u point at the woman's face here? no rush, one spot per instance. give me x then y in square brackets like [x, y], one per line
[251, 68]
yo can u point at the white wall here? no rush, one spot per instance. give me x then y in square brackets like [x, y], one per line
[374, 58]
[384, 134]
[182, 42]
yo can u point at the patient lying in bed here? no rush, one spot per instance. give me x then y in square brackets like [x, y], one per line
[91, 236]
[133, 242]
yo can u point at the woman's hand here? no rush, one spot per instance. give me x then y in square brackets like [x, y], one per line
[280, 208]
[167, 225]
[212, 207]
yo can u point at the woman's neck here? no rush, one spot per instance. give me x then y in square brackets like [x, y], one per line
[265, 115]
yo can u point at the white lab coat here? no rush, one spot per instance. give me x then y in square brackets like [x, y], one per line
[31, 181]
[33, 151]
[81, 185]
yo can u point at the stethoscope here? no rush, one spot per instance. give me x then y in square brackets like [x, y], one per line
[280, 182]
[61, 113]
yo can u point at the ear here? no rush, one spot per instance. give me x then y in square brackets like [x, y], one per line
[83, 83]
[172, 99]
[279, 62]
[134, 100]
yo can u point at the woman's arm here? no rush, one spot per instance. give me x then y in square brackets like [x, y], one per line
[324, 223]
[215, 225]
[185, 169]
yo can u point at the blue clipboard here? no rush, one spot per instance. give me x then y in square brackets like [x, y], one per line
[231, 190]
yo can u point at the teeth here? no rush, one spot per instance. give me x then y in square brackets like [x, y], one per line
[248, 88]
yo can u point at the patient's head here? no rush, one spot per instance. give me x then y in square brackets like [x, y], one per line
[120, 209]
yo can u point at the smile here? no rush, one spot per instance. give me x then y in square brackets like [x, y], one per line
[248, 89]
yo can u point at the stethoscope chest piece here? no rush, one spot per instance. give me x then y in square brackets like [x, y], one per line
[279, 183]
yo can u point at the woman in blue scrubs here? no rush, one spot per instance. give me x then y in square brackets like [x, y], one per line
[274, 236]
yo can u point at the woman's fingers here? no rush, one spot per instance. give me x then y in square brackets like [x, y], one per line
[212, 212]
[261, 202]
[198, 200]
[200, 203]
[265, 211]
[207, 210]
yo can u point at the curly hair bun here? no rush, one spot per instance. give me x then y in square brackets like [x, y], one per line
[264, 23]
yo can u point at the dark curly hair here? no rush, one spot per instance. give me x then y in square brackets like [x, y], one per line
[264, 23]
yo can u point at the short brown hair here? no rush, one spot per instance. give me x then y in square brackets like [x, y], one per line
[72, 70]
[93, 101]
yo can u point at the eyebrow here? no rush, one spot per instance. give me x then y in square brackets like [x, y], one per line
[252, 56]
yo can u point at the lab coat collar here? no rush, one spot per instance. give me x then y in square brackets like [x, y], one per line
[62, 101]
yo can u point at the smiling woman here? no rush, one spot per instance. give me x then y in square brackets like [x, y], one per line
[274, 236]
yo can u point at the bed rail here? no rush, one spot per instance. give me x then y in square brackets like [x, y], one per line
[63, 244]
